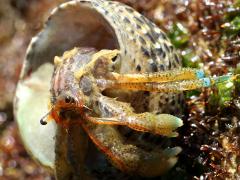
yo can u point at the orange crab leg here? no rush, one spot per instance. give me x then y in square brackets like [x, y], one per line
[160, 77]
[89, 129]
[173, 87]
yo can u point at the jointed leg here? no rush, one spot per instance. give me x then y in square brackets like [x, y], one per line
[120, 113]
[160, 77]
[128, 157]
[175, 80]
[173, 86]
[162, 124]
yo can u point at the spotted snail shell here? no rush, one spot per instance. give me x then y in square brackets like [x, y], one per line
[84, 23]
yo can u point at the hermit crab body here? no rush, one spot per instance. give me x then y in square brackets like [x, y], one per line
[76, 99]
[130, 76]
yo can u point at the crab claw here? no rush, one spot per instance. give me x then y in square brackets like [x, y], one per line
[164, 124]
[120, 113]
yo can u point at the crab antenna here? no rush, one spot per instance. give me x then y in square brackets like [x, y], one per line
[43, 120]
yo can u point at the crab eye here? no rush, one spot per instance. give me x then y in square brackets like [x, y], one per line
[69, 100]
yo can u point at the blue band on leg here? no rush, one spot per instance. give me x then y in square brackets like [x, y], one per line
[206, 82]
[200, 74]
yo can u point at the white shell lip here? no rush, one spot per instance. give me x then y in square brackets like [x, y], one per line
[31, 103]
[71, 24]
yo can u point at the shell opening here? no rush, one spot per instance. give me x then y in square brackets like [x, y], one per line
[78, 25]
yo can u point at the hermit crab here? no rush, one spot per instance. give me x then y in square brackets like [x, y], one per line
[95, 66]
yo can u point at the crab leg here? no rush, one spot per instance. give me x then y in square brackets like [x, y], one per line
[175, 86]
[162, 76]
[128, 157]
[162, 124]
[114, 112]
